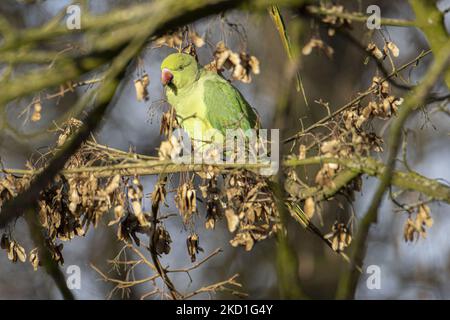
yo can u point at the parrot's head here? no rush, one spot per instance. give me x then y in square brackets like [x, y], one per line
[179, 70]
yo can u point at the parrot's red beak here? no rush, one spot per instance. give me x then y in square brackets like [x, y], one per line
[166, 76]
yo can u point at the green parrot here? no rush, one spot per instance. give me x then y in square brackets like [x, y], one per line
[204, 100]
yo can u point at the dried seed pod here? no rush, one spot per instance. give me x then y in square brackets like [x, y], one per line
[254, 65]
[319, 44]
[249, 208]
[57, 253]
[62, 139]
[113, 184]
[119, 212]
[324, 176]
[140, 86]
[16, 252]
[69, 128]
[193, 247]
[163, 241]
[12, 254]
[37, 108]
[381, 85]
[241, 65]
[373, 49]
[414, 229]
[210, 222]
[168, 122]
[34, 259]
[221, 55]
[302, 152]
[238, 69]
[74, 199]
[330, 146]
[172, 40]
[339, 236]
[310, 207]
[145, 80]
[243, 239]
[424, 215]
[159, 193]
[4, 242]
[332, 18]
[232, 219]
[169, 149]
[409, 230]
[165, 150]
[186, 201]
[135, 194]
[197, 40]
[212, 213]
[393, 48]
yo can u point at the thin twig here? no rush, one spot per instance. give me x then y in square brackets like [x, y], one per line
[220, 286]
[355, 100]
[359, 17]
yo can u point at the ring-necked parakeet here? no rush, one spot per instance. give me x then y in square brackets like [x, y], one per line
[203, 99]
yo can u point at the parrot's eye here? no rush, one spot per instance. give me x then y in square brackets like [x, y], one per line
[180, 68]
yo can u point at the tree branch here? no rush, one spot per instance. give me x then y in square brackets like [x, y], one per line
[406, 180]
[356, 100]
[431, 22]
[358, 17]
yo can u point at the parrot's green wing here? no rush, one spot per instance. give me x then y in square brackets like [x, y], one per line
[226, 108]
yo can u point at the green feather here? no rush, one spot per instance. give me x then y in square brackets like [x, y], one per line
[226, 108]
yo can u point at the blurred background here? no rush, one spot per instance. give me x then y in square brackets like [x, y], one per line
[418, 270]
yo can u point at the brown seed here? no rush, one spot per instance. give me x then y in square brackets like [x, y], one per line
[373, 49]
[232, 220]
[393, 48]
[310, 207]
[37, 108]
